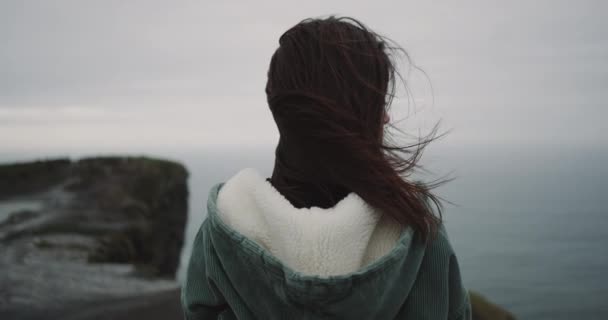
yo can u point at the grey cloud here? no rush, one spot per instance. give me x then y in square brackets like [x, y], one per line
[483, 57]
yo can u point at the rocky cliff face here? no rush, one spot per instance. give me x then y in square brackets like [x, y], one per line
[79, 231]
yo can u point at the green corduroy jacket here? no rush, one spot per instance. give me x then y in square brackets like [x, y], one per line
[229, 276]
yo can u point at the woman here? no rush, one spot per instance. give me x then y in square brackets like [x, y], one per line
[337, 231]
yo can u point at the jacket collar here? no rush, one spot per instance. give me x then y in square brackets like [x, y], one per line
[312, 241]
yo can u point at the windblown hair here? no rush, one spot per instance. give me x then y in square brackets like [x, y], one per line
[330, 84]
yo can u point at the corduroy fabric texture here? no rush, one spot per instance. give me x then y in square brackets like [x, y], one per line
[231, 277]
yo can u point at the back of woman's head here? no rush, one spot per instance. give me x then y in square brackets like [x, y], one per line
[330, 84]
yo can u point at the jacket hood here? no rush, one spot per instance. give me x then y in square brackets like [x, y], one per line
[348, 261]
[311, 241]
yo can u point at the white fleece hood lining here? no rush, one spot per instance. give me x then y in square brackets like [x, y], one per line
[312, 241]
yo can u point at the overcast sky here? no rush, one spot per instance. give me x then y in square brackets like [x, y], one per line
[137, 74]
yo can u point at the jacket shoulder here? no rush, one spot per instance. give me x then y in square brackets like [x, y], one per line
[440, 274]
[439, 245]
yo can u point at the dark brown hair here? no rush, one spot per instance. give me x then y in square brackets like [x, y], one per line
[330, 84]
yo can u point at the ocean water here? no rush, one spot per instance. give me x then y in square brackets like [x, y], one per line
[529, 223]
[8, 207]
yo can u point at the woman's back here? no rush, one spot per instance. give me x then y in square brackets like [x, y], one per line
[337, 231]
[246, 266]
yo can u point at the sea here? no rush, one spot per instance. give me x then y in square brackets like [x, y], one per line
[529, 223]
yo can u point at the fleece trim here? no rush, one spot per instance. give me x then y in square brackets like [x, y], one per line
[312, 241]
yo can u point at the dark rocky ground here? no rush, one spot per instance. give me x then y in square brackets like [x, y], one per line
[89, 233]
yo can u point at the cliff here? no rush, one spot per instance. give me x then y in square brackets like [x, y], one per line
[75, 232]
